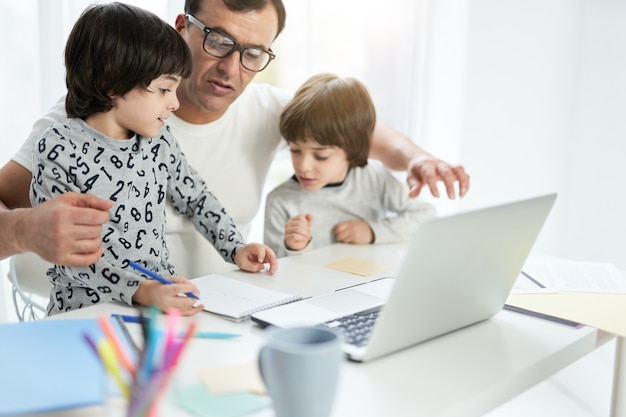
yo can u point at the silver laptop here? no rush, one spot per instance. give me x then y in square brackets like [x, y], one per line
[457, 270]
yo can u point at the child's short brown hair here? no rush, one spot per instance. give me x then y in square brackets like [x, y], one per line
[333, 111]
[114, 48]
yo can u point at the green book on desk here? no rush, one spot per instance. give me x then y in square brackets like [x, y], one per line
[47, 366]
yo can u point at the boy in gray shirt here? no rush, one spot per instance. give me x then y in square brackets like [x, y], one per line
[123, 66]
[336, 194]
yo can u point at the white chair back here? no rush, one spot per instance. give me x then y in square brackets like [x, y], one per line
[30, 287]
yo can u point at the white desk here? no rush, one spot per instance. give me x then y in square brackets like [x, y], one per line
[465, 373]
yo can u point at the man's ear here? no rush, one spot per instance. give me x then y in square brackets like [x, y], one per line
[181, 23]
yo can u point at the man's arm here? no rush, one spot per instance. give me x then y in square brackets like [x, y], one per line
[64, 230]
[399, 153]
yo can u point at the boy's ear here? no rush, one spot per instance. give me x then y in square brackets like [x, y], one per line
[113, 99]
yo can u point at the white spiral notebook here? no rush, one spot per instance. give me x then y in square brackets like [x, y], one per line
[237, 300]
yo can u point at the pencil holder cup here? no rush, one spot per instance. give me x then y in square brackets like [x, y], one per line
[154, 397]
[148, 400]
[137, 384]
[115, 403]
[300, 367]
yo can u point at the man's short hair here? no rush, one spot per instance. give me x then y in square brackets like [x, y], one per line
[194, 6]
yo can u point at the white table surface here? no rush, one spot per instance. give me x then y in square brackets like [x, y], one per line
[465, 373]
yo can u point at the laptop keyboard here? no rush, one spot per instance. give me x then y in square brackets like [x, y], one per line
[355, 328]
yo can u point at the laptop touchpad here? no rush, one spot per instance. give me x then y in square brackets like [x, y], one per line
[347, 302]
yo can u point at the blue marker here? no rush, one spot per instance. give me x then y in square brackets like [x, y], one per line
[215, 335]
[157, 277]
[199, 335]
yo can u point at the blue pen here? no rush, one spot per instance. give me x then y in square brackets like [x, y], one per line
[199, 335]
[128, 319]
[215, 335]
[157, 277]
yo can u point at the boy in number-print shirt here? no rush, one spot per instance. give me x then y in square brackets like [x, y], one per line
[123, 67]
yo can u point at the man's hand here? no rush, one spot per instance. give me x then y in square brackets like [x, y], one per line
[64, 230]
[399, 153]
[428, 170]
[298, 232]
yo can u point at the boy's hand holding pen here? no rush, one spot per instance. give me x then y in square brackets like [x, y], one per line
[165, 294]
[156, 277]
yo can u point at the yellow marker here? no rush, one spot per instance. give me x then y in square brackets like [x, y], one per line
[112, 365]
[116, 344]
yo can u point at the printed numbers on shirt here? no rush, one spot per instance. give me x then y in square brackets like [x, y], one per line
[82, 164]
[148, 214]
[111, 277]
[57, 175]
[129, 163]
[95, 298]
[90, 182]
[120, 185]
[136, 214]
[54, 152]
[117, 217]
[104, 289]
[117, 162]
[139, 233]
[125, 243]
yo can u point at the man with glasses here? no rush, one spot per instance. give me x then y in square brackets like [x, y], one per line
[219, 45]
[228, 129]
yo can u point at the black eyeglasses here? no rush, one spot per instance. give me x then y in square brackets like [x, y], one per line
[220, 46]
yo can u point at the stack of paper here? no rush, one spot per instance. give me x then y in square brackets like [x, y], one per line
[590, 293]
[547, 275]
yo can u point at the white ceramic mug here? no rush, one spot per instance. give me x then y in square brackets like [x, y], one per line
[300, 367]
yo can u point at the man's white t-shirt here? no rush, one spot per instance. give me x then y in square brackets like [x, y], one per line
[233, 156]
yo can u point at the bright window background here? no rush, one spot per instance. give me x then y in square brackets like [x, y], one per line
[34, 33]
[528, 94]
[320, 36]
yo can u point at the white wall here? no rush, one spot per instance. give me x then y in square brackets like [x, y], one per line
[543, 97]
[598, 137]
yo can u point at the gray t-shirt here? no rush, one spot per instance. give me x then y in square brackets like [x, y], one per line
[232, 154]
[138, 175]
[369, 193]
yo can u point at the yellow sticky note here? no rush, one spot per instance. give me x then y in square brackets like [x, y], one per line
[357, 266]
[221, 380]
